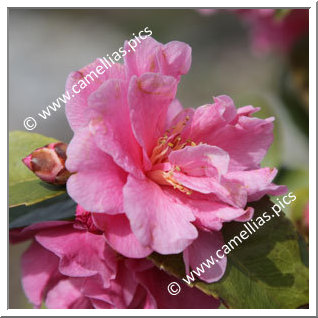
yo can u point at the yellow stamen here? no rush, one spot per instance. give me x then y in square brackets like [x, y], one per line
[169, 178]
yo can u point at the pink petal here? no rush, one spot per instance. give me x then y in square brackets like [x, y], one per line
[201, 160]
[231, 193]
[119, 235]
[143, 300]
[154, 214]
[81, 253]
[149, 97]
[99, 304]
[208, 118]
[175, 59]
[246, 142]
[67, 295]
[92, 288]
[98, 191]
[257, 182]
[83, 154]
[97, 185]
[246, 216]
[76, 107]
[173, 110]
[119, 294]
[214, 214]
[211, 214]
[143, 59]
[245, 111]
[36, 275]
[126, 284]
[110, 125]
[246, 139]
[205, 246]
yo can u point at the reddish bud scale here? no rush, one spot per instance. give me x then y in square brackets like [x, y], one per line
[48, 163]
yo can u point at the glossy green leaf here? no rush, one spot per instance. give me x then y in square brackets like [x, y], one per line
[25, 187]
[58, 208]
[268, 270]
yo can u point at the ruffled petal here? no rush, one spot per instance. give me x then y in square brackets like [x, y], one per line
[81, 253]
[66, 294]
[119, 235]
[154, 214]
[110, 125]
[201, 250]
[149, 97]
[201, 161]
[86, 81]
[36, 275]
[173, 110]
[143, 58]
[257, 182]
[246, 142]
[173, 58]
[208, 118]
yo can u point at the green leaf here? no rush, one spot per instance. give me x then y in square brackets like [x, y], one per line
[266, 271]
[59, 208]
[24, 186]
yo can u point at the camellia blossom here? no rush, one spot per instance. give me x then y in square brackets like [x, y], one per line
[159, 177]
[70, 266]
[269, 31]
[48, 163]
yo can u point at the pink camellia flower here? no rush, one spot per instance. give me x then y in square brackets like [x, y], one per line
[269, 31]
[68, 266]
[160, 177]
[48, 163]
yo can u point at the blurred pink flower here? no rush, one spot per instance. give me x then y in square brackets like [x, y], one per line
[67, 267]
[163, 177]
[268, 30]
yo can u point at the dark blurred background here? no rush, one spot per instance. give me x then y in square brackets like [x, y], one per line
[46, 45]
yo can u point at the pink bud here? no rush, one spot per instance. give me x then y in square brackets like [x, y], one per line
[48, 163]
[84, 221]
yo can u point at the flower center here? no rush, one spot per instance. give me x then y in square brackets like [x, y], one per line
[162, 171]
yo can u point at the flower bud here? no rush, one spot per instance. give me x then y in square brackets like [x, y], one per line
[84, 221]
[48, 163]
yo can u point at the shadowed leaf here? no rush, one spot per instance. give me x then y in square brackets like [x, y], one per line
[267, 270]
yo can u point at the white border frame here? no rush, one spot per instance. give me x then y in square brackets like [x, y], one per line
[312, 159]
